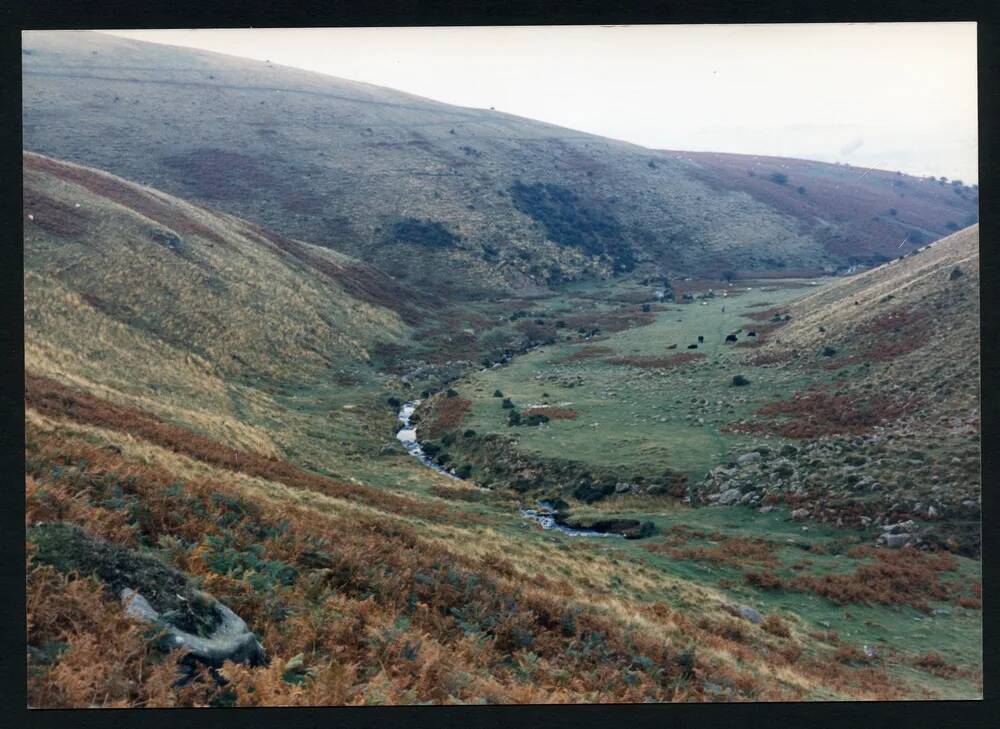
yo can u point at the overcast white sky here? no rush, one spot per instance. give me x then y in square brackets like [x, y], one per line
[897, 96]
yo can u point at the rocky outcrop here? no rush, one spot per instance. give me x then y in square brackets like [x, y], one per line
[874, 482]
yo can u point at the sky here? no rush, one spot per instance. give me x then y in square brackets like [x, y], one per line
[894, 96]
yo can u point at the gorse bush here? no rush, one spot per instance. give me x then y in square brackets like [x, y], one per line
[569, 221]
[427, 233]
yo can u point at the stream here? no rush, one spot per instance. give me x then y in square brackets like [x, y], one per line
[407, 435]
[544, 515]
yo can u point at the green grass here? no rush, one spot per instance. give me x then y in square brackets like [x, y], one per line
[641, 419]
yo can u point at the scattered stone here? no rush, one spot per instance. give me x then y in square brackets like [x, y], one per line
[800, 514]
[729, 496]
[746, 458]
[895, 541]
[752, 615]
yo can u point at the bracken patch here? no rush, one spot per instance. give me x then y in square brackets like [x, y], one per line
[658, 363]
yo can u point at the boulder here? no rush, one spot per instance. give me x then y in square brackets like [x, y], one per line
[729, 496]
[895, 541]
[800, 514]
[901, 527]
[746, 458]
[752, 615]
[230, 640]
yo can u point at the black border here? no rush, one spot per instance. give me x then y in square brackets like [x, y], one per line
[53, 14]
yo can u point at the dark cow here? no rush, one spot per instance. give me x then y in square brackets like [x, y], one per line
[731, 338]
[701, 338]
[672, 346]
[692, 346]
[751, 334]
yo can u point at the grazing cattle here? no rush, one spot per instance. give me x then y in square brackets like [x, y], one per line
[751, 334]
[701, 338]
[692, 346]
[731, 338]
[672, 346]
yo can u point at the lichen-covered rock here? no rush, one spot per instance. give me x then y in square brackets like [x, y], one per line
[231, 640]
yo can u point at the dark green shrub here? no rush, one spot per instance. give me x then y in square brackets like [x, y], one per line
[570, 221]
[427, 233]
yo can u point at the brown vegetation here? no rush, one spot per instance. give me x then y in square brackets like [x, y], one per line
[897, 577]
[553, 413]
[123, 193]
[584, 353]
[816, 412]
[612, 321]
[731, 551]
[447, 413]
[391, 618]
[769, 358]
[49, 397]
[54, 216]
[660, 363]
[935, 663]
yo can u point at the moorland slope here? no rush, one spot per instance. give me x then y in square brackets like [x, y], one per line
[462, 200]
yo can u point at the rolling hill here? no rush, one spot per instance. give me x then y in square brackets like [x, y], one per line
[199, 317]
[460, 200]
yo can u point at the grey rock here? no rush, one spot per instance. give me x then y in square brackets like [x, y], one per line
[901, 527]
[766, 509]
[895, 541]
[752, 615]
[232, 640]
[746, 458]
[800, 514]
[730, 496]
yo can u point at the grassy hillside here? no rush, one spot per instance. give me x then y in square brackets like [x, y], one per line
[462, 200]
[881, 209]
[197, 316]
